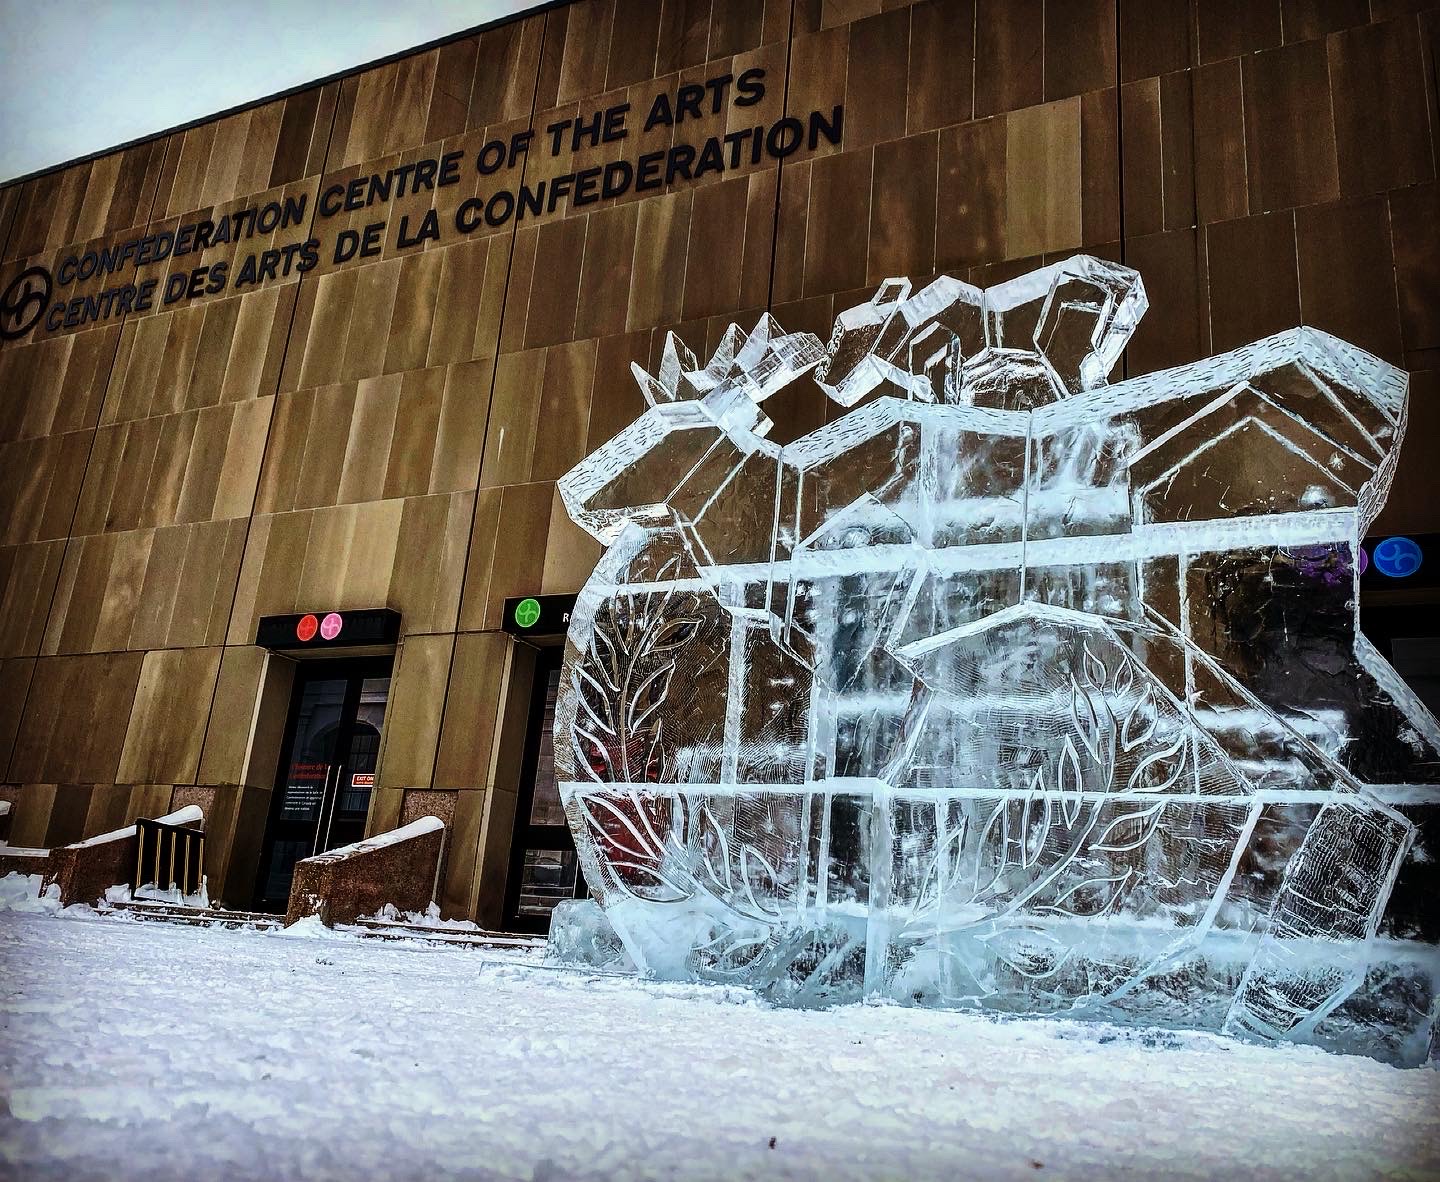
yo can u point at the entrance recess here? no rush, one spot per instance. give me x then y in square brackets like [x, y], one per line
[543, 866]
[327, 767]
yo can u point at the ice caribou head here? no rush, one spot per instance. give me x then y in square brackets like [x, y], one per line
[1009, 687]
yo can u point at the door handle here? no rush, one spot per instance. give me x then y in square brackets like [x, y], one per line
[330, 816]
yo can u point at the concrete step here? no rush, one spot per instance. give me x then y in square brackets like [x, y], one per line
[458, 937]
[157, 912]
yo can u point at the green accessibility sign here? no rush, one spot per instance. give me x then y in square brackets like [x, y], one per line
[527, 613]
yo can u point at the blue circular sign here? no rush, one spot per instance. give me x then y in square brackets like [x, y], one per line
[1397, 557]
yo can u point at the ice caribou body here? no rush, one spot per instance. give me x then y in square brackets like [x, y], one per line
[1008, 688]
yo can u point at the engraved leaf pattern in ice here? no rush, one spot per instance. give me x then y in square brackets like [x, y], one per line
[977, 694]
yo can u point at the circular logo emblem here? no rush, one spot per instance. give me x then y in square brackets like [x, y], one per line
[307, 627]
[1397, 557]
[330, 626]
[527, 613]
[24, 301]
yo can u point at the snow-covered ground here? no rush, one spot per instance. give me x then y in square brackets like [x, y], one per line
[152, 1052]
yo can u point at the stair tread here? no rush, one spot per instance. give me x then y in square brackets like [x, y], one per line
[460, 936]
[162, 912]
[174, 913]
[442, 929]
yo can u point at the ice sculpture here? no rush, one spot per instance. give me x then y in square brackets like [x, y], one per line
[1009, 688]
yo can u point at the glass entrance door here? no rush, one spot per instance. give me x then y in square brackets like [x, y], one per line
[543, 866]
[327, 768]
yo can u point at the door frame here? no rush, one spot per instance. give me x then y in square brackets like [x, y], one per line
[525, 836]
[354, 671]
[1383, 622]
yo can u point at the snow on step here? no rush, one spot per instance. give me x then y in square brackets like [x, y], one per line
[381, 840]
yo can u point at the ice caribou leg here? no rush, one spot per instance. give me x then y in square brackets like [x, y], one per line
[1009, 688]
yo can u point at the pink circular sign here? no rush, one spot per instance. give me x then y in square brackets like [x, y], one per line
[330, 626]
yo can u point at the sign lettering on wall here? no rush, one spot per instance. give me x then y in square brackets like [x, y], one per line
[38, 294]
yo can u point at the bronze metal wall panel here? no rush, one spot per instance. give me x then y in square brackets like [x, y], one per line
[1227, 28]
[1302, 20]
[75, 719]
[1009, 55]
[1347, 274]
[1289, 130]
[1253, 286]
[389, 428]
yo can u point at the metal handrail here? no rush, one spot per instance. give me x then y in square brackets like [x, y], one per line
[176, 847]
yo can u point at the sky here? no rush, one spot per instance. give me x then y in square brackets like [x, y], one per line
[79, 76]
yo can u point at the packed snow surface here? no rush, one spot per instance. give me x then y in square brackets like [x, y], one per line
[145, 1051]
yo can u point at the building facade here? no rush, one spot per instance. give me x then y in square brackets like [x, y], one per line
[284, 394]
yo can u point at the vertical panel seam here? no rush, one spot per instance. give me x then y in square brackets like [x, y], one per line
[269, 431]
[79, 493]
[484, 441]
[10, 221]
[1119, 156]
[779, 166]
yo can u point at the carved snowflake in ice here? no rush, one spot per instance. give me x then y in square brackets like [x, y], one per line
[1009, 687]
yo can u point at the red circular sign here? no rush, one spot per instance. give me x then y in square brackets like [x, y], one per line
[330, 626]
[307, 627]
